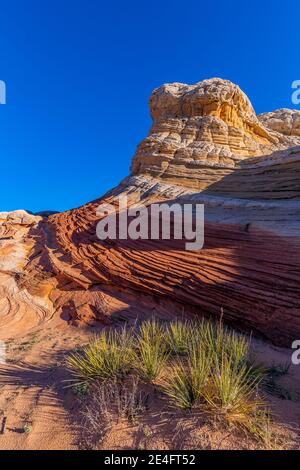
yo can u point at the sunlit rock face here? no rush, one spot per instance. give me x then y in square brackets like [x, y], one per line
[207, 146]
[284, 121]
[202, 133]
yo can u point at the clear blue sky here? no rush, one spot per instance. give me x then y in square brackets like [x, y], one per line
[79, 74]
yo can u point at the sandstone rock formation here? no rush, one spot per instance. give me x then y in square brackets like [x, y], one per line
[285, 121]
[205, 132]
[206, 146]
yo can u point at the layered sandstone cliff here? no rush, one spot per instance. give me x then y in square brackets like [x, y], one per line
[206, 146]
[203, 135]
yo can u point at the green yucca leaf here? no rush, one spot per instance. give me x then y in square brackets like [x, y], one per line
[151, 354]
[178, 337]
[108, 355]
[185, 385]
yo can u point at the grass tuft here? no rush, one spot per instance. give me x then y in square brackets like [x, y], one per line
[108, 355]
[151, 354]
[186, 384]
[232, 393]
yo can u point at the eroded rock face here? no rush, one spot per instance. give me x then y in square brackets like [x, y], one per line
[202, 133]
[285, 121]
[24, 301]
[206, 146]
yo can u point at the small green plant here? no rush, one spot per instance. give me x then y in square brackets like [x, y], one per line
[147, 431]
[219, 340]
[81, 389]
[151, 354]
[278, 370]
[26, 345]
[27, 428]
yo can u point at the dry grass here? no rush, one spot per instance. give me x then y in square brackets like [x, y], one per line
[107, 404]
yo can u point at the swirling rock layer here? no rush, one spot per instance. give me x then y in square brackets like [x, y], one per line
[206, 146]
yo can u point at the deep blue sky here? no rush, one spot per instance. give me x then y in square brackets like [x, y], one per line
[79, 74]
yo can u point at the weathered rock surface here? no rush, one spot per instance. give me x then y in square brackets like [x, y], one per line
[206, 146]
[285, 121]
[203, 133]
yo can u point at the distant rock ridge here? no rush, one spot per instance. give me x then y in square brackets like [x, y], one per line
[206, 145]
[284, 121]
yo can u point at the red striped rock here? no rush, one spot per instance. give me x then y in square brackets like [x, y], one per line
[206, 146]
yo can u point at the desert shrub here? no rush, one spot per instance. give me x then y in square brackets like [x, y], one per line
[108, 355]
[117, 400]
[178, 337]
[201, 365]
[219, 340]
[186, 383]
[218, 376]
[232, 391]
[151, 354]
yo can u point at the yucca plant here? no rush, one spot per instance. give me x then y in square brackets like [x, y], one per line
[178, 337]
[220, 340]
[236, 345]
[108, 355]
[186, 384]
[231, 394]
[151, 354]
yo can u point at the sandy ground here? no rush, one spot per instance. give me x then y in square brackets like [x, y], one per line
[38, 411]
